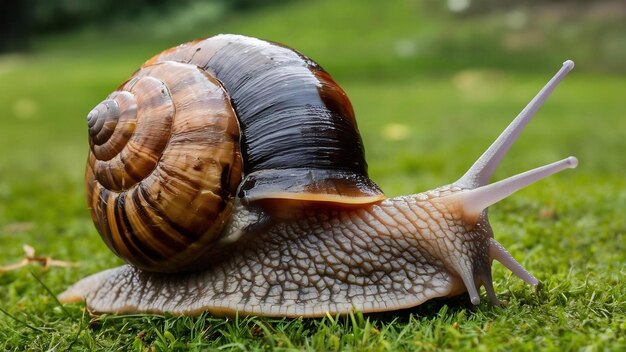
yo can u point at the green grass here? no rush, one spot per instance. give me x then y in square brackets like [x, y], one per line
[569, 230]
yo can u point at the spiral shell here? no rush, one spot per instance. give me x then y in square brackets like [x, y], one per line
[204, 122]
[164, 166]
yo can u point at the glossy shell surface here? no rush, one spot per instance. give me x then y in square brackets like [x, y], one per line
[299, 135]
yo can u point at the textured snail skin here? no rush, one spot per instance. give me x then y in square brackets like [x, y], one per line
[391, 255]
[306, 232]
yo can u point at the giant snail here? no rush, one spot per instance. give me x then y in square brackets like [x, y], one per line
[230, 174]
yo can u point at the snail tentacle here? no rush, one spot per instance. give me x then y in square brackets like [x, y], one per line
[481, 171]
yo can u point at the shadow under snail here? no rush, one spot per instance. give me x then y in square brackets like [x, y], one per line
[229, 173]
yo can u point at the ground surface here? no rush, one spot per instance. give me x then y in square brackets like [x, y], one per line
[430, 93]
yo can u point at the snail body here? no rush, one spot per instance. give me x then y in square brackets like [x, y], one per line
[229, 173]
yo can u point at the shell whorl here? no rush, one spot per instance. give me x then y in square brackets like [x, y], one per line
[164, 166]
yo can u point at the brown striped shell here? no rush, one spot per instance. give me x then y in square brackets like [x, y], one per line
[208, 121]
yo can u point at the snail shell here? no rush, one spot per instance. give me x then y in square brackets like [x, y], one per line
[208, 121]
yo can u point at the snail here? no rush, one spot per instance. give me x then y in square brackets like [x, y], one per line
[230, 175]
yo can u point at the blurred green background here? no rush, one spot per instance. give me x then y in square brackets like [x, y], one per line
[432, 83]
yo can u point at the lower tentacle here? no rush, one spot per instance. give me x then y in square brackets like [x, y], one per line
[487, 282]
[499, 253]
